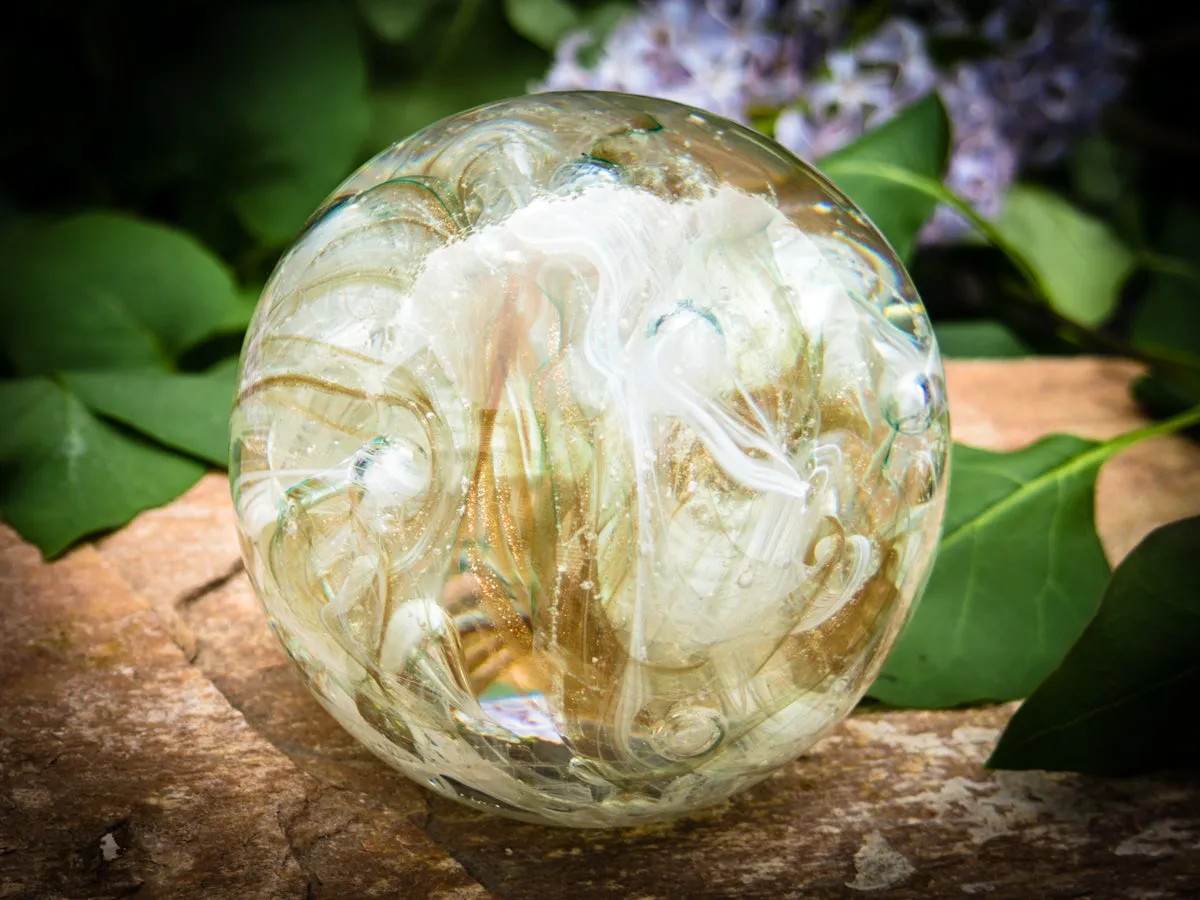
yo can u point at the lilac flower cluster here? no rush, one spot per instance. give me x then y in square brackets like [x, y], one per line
[1049, 69]
[721, 57]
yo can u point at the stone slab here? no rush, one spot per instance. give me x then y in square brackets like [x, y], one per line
[155, 740]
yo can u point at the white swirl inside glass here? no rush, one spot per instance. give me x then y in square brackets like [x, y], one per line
[588, 455]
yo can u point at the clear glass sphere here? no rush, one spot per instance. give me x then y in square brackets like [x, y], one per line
[588, 454]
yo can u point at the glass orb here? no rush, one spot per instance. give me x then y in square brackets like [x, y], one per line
[588, 454]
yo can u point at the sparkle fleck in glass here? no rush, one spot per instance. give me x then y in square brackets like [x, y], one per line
[588, 454]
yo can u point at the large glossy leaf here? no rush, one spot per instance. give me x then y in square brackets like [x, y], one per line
[981, 339]
[915, 141]
[1121, 700]
[67, 474]
[546, 22]
[395, 20]
[1080, 264]
[105, 290]
[542, 21]
[185, 412]
[1017, 577]
[237, 319]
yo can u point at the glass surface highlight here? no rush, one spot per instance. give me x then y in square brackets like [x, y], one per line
[588, 454]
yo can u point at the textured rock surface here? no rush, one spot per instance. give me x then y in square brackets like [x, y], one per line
[153, 739]
[896, 804]
[124, 770]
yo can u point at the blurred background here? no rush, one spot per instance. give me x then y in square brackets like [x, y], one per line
[233, 120]
[155, 160]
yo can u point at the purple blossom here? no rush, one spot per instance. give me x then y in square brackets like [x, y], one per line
[1057, 64]
[859, 88]
[1064, 62]
[983, 161]
[900, 44]
[850, 89]
[717, 56]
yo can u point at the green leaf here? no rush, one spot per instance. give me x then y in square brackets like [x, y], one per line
[917, 141]
[185, 412]
[237, 320]
[479, 61]
[1018, 575]
[271, 111]
[600, 20]
[546, 22]
[395, 20]
[238, 317]
[1120, 703]
[1167, 320]
[67, 474]
[1080, 264]
[542, 21]
[982, 339]
[1100, 170]
[104, 290]
[1160, 397]
[1070, 259]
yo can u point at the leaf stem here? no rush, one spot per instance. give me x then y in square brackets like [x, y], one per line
[1081, 336]
[1167, 265]
[1094, 456]
[1180, 422]
[931, 187]
[464, 18]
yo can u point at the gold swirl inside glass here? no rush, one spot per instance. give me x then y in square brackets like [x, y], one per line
[589, 453]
